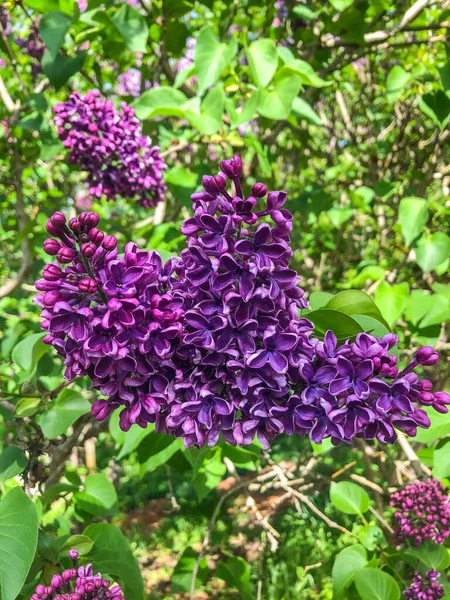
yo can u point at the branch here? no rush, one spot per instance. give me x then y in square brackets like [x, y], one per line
[11, 285]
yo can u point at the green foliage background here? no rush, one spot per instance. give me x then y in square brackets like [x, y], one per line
[346, 105]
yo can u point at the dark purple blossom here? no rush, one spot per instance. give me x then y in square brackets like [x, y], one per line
[422, 512]
[425, 587]
[109, 145]
[212, 343]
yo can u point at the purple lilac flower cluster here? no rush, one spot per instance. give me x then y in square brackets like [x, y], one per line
[212, 343]
[425, 587]
[422, 512]
[109, 145]
[4, 19]
[33, 46]
[78, 584]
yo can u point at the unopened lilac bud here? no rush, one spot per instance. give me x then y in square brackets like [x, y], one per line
[52, 229]
[58, 219]
[427, 356]
[96, 236]
[51, 298]
[211, 186]
[57, 582]
[75, 225]
[109, 242]
[66, 255]
[87, 285]
[52, 272]
[232, 167]
[67, 575]
[88, 250]
[259, 190]
[89, 219]
[74, 554]
[51, 246]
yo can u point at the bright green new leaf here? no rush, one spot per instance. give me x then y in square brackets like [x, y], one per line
[391, 300]
[441, 461]
[349, 498]
[28, 351]
[432, 250]
[263, 60]
[303, 110]
[18, 541]
[12, 462]
[277, 103]
[99, 497]
[412, 216]
[396, 82]
[341, 5]
[162, 101]
[211, 57]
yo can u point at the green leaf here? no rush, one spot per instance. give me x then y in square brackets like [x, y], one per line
[112, 556]
[303, 110]
[262, 58]
[132, 27]
[412, 216]
[59, 69]
[356, 302]
[82, 543]
[210, 119]
[12, 462]
[371, 325]
[277, 103]
[305, 12]
[373, 584]
[209, 475]
[53, 28]
[396, 82]
[369, 273]
[235, 571]
[99, 497]
[441, 461]
[18, 541]
[419, 302]
[435, 556]
[182, 575]
[156, 449]
[67, 408]
[436, 106]
[342, 325]
[346, 564]
[438, 311]
[444, 74]
[306, 73]
[432, 250]
[162, 101]
[439, 428]
[341, 5]
[391, 300]
[211, 57]
[247, 113]
[371, 536]
[319, 299]
[245, 458]
[42, 5]
[28, 351]
[26, 407]
[349, 497]
[129, 440]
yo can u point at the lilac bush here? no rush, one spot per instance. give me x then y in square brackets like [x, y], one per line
[422, 512]
[214, 342]
[78, 584]
[425, 587]
[109, 145]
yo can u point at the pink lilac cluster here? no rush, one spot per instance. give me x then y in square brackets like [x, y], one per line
[422, 512]
[33, 46]
[129, 83]
[108, 144]
[212, 343]
[425, 587]
[82, 5]
[4, 19]
[78, 584]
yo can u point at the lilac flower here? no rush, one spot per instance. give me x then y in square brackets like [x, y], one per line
[422, 512]
[109, 145]
[79, 583]
[211, 343]
[33, 46]
[4, 20]
[425, 587]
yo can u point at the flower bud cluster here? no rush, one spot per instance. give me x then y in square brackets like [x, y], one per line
[78, 584]
[109, 145]
[425, 587]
